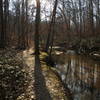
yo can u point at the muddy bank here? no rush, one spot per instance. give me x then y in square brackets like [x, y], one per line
[58, 86]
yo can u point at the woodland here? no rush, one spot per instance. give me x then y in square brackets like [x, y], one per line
[40, 42]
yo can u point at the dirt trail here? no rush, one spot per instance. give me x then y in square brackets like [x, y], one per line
[28, 60]
[51, 81]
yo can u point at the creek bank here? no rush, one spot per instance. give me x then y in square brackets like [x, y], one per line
[93, 52]
[56, 79]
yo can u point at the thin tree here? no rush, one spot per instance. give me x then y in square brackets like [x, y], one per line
[91, 20]
[26, 20]
[51, 28]
[2, 34]
[23, 25]
[6, 13]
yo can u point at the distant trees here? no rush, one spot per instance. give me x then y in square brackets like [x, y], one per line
[15, 23]
[74, 22]
[4, 12]
[70, 21]
[22, 25]
[80, 19]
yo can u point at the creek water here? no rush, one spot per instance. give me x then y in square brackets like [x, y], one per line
[81, 74]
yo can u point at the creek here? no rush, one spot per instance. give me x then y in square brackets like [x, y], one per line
[80, 73]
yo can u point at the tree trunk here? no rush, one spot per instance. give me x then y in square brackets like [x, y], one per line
[50, 33]
[91, 20]
[2, 34]
[37, 26]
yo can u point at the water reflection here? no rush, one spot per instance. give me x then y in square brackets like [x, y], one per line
[81, 74]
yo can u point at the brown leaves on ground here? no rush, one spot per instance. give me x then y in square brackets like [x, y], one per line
[17, 77]
[13, 78]
[53, 84]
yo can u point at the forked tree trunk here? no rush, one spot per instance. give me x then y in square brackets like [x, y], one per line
[50, 36]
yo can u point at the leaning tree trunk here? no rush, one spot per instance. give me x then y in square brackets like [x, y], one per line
[51, 28]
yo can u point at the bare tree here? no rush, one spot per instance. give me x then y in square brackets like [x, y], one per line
[80, 14]
[37, 27]
[90, 17]
[50, 36]
[26, 20]
[2, 32]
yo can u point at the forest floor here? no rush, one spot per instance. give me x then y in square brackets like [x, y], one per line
[18, 77]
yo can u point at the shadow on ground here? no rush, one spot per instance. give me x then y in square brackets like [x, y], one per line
[41, 90]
